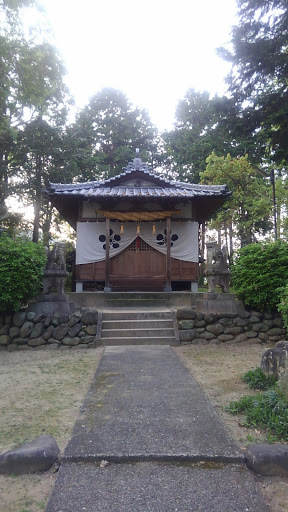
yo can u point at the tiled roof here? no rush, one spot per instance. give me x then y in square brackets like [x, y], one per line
[136, 180]
[89, 190]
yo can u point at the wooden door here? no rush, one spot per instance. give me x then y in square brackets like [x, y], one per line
[139, 267]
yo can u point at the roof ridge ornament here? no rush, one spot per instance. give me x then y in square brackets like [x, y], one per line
[137, 162]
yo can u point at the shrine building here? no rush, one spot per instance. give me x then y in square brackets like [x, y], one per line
[151, 225]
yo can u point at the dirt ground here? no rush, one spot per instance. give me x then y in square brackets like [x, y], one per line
[218, 370]
[41, 393]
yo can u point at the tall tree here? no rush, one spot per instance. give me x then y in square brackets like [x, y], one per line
[259, 77]
[106, 134]
[203, 125]
[248, 212]
[13, 94]
[40, 156]
[33, 108]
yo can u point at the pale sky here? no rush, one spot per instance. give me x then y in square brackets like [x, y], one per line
[154, 51]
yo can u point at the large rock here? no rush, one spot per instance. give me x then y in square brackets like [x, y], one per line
[250, 334]
[47, 321]
[186, 314]
[187, 335]
[36, 342]
[21, 341]
[275, 331]
[38, 455]
[74, 319]
[234, 330]
[60, 331]
[283, 345]
[268, 459]
[4, 339]
[71, 341]
[89, 316]
[215, 329]
[89, 339]
[240, 337]
[48, 333]
[278, 321]
[210, 318]
[273, 361]
[38, 318]
[225, 321]
[4, 329]
[260, 327]
[263, 336]
[19, 318]
[37, 330]
[200, 323]
[226, 337]
[91, 330]
[240, 322]
[186, 324]
[74, 331]
[207, 335]
[64, 319]
[14, 332]
[26, 329]
[254, 319]
[30, 316]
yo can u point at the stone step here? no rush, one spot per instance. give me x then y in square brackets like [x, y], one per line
[138, 295]
[156, 340]
[137, 323]
[137, 314]
[144, 326]
[134, 302]
[136, 333]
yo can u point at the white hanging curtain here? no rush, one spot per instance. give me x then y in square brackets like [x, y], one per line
[91, 239]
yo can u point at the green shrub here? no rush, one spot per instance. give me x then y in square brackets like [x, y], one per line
[259, 272]
[21, 269]
[266, 410]
[283, 305]
[256, 379]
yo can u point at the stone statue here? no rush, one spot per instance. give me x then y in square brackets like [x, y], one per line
[217, 271]
[53, 298]
[55, 273]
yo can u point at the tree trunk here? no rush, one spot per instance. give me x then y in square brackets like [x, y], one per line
[219, 236]
[37, 201]
[36, 224]
[231, 248]
[46, 224]
[202, 253]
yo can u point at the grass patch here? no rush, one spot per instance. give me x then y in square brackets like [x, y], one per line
[256, 379]
[267, 410]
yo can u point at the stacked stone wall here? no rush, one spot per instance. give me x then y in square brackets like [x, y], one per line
[28, 331]
[211, 328]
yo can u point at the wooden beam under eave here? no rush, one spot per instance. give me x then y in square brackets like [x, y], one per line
[168, 287]
[107, 261]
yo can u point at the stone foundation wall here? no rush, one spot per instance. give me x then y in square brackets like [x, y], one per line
[211, 328]
[27, 330]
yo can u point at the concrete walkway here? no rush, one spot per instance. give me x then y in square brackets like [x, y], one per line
[165, 447]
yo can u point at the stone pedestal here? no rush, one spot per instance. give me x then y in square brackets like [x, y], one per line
[52, 303]
[220, 303]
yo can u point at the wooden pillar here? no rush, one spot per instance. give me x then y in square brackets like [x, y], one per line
[107, 263]
[168, 287]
